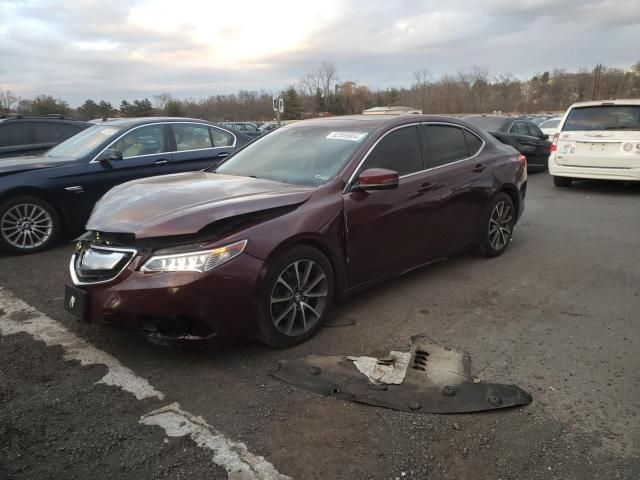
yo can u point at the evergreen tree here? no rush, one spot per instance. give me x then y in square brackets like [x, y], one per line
[292, 105]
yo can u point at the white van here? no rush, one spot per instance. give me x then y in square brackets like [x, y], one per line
[597, 140]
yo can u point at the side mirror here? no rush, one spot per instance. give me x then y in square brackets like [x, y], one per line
[545, 136]
[110, 155]
[377, 179]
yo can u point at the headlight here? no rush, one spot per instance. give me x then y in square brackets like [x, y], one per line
[202, 261]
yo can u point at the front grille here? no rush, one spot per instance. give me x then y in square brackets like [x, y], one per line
[99, 264]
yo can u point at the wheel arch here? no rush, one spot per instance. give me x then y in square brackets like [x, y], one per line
[319, 243]
[512, 191]
[34, 192]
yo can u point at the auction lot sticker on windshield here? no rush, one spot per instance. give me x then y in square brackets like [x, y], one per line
[350, 136]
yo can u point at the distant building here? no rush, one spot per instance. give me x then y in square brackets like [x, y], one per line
[396, 110]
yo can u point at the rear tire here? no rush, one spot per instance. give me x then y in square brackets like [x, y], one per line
[296, 297]
[498, 226]
[28, 224]
[562, 181]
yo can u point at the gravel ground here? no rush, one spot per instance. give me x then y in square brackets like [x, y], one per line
[557, 315]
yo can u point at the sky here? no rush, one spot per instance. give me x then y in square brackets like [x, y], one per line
[127, 49]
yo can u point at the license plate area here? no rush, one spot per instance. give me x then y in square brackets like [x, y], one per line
[76, 302]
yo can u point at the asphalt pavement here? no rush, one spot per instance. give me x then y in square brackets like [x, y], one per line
[558, 314]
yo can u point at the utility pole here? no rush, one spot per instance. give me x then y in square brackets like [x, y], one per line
[597, 73]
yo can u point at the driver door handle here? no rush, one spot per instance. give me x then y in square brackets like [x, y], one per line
[161, 162]
[222, 155]
[479, 168]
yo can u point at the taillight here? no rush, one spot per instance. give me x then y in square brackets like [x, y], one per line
[523, 160]
[554, 145]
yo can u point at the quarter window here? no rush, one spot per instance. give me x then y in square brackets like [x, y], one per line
[51, 132]
[473, 142]
[447, 144]
[221, 138]
[191, 137]
[399, 151]
[145, 140]
[534, 131]
[521, 129]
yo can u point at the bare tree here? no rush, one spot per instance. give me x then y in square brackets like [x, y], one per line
[160, 101]
[7, 100]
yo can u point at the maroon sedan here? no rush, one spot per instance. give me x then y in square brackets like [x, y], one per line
[267, 241]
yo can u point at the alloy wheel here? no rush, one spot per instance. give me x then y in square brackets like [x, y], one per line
[26, 226]
[500, 225]
[299, 297]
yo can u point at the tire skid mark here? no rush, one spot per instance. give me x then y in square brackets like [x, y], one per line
[16, 316]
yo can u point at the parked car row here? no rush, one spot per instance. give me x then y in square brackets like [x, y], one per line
[259, 236]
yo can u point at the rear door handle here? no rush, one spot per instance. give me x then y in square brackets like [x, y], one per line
[161, 162]
[425, 187]
[479, 168]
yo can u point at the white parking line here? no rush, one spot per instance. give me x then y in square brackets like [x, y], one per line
[234, 456]
[17, 316]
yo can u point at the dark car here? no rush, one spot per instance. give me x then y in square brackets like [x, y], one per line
[520, 133]
[34, 135]
[263, 244]
[41, 196]
[246, 128]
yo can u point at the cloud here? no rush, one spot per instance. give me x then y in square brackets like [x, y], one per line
[78, 49]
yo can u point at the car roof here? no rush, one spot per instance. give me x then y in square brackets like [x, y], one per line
[498, 117]
[606, 103]
[127, 122]
[43, 119]
[370, 121]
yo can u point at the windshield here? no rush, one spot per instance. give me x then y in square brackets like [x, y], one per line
[491, 124]
[83, 143]
[550, 123]
[303, 155]
[613, 117]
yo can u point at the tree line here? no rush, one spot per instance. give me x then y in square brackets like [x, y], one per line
[320, 92]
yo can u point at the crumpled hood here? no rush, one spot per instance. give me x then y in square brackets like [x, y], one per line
[185, 203]
[26, 163]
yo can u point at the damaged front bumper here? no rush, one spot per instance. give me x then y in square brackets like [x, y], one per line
[429, 378]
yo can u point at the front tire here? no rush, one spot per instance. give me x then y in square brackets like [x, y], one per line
[28, 224]
[562, 181]
[498, 226]
[296, 297]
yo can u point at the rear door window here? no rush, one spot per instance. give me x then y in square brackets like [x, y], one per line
[14, 134]
[53, 132]
[447, 144]
[601, 117]
[399, 151]
[191, 136]
[146, 140]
